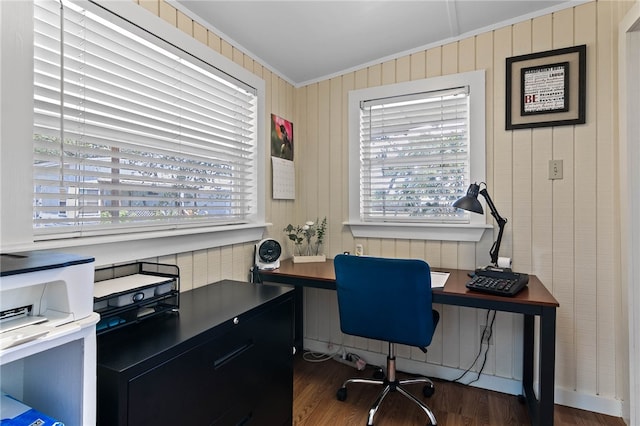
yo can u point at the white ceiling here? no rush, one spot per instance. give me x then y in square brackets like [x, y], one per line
[310, 40]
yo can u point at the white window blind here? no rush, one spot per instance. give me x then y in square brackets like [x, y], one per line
[414, 156]
[131, 132]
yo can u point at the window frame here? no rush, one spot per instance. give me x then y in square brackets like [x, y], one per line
[470, 230]
[17, 187]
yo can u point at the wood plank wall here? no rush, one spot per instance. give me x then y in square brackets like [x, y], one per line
[565, 231]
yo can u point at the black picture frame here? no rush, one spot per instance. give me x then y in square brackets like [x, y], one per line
[546, 89]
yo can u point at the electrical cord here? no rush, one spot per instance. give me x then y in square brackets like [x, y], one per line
[486, 337]
[318, 356]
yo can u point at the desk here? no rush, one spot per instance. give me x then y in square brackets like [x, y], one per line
[534, 300]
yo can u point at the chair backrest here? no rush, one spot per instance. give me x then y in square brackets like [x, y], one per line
[385, 299]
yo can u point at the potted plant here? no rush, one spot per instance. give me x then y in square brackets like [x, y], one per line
[308, 240]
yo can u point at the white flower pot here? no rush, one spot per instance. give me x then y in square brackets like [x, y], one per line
[309, 259]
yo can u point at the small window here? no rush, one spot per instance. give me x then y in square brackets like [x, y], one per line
[414, 149]
[132, 133]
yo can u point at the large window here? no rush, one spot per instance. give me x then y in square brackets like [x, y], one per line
[133, 133]
[414, 149]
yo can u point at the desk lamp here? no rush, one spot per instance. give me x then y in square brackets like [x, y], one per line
[470, 203]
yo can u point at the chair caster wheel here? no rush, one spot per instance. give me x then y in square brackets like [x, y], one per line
[341, 395]
[428, 390]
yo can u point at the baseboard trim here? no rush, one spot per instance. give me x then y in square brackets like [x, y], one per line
[569, 398]
[595, 403]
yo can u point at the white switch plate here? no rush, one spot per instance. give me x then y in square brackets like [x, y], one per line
[555, 169]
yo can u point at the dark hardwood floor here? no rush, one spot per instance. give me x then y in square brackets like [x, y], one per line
[315, 404]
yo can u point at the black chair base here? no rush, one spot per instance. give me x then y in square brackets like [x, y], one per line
[391, 384]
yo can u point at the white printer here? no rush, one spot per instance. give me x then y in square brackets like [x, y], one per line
[42, 291]
[48, 334]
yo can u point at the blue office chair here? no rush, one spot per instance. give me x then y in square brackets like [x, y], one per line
[389, 300]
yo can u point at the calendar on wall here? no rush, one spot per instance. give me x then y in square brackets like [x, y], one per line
[282, 159]
[284, 179]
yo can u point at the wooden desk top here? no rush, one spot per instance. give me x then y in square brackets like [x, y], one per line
[323, 275]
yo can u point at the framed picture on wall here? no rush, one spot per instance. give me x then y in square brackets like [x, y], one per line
[546, 88]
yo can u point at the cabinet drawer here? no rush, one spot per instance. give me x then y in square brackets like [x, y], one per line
[226, 377]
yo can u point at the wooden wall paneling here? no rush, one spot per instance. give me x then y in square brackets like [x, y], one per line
[508, 326]
[541, 191]
[605, 202]
[328, 309]
[586, 262]
[403, 69]
[302, 152]
[214, 262]
[273, 208]
[450, 58]
[432, 253]
[563, 227]
[402, 249]
[324, 155]
[184, 23]
[418, 66]
[346, 239]
[226, 49]
[388, 72]
[434, 62]
[466, 62]
[226, 262]
[152, 6]
[310, 169]
[374, 75]
[200, 33]
[499, 179]
[467, 54]
[213, 41]
[247, 62]
[312, 313]
[200, 268]
[520, 221]
[185, 264]
[326, 300]
[485, 60]
[338, 181]
[306, 167]
[500, 182]
[372, 247]
[167, 12]
[450, 315]
[240, 261]
[169, 259]
[237, 56]
[336, 337]
[416, 250]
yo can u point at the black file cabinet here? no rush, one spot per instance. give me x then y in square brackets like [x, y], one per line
[225, 359]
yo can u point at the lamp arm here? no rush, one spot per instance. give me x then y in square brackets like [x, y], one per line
[501, 224]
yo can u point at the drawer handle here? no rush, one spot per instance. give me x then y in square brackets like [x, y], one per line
[229, 356]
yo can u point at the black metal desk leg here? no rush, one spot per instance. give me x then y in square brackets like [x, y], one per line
[298, 322]
[547, 365]
[527, 354]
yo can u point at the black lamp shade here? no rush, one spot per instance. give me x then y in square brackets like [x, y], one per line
[470, 201]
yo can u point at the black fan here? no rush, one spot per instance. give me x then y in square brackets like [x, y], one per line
[268, 254]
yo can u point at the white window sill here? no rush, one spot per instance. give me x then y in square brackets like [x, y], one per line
[423, 231]
[110, 249]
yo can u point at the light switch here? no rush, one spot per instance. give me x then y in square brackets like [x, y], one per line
[555, 169]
